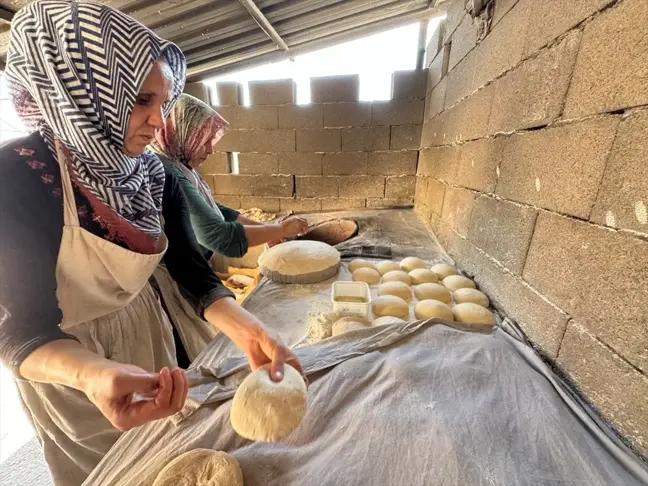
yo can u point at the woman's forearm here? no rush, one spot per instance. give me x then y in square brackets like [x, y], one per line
[258, 235]
[234, 321]
[247, 221]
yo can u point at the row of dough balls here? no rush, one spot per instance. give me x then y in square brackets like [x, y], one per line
[410, 270]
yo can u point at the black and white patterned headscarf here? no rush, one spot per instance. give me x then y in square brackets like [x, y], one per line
[74, 70]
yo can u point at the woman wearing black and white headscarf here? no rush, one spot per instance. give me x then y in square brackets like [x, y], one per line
[86, 216]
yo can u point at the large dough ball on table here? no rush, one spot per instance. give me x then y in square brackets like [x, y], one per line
[300, 262]
[348, 324]
[470, 313]
[464, 295]
[201, 467]
[421, 275]
[368, 275]
[390, 305]
[432, 291]
[410, 263]
[454, 282]
[382, 321]
[387, 266]
[444, 270]
[268, 411]
[359, 263]
[399, 289]
[397, 276]
[427, 309]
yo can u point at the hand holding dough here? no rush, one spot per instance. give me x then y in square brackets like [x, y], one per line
[201, 467]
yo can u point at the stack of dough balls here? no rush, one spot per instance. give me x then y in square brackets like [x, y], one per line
[201, 467]
[300, 262]
[348, 324]
[268, 411]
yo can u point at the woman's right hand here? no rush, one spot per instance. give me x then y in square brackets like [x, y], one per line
[294, 226]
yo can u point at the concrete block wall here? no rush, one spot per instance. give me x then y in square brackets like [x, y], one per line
[335, 153]
[532, 175]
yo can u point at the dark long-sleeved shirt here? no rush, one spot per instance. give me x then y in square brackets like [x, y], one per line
[31, 227]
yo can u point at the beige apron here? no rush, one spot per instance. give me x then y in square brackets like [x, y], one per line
[107, 303]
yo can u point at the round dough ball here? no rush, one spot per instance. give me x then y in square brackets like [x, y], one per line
[454, 282]
[359, 263]
[427, 309]
[421, 276]
[397, 276]
[470, 313]
[432, 291]
[368, 275]
[411, 263]
[201, 467]
[444, 270]
[382, 321]
[387, 266]
[268, 411]
[464, 295]
[390, 305]
[399, 289]
[347, 324]
[300, 262]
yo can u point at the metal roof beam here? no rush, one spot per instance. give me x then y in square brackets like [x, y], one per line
[265, 24]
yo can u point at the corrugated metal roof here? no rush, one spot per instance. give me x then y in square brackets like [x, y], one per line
[219, 36]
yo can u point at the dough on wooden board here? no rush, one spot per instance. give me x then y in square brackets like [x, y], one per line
[299, 262]
[368, 275]
[411, 263]
[454, 282]
[444, 270]
[432, 291]
[470, 313]
[267, 411]
[421, 276]
[397, 276]
[387, 266]
[390, 305]
[427, 309]
[399, 289]
[382, 321]
[347, 324]
[461, 296]
[360, 263]
[201, 467]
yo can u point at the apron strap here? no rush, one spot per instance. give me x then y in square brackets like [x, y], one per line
[70, 215]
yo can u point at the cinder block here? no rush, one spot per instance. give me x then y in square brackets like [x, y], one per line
[597, 276]
[435, 44]
[397, 112]
[454, 14]
[198, 90]
[277, 92]
[228, 93]
[331, 89]
[216, 163]
[300, 205]
[249, 117]
[502, 7]
[258, 141]
[365, 138]
[362, 186]
[615, 388]
[533, 93]
[389, 203]
[316, 186]
[460, 80]
[503, 48]
[623, 195]
[267, 204]
[436, 70]
[300, 116]
[457, 208]
[231, 185]
[435, 100]
[464, 40]
[503, 230]
[300, 163]
[538, 167]
[435, 196]
[420, 192]
[347, 114]
[405, 137]
[319, 140]
[258, 163]
[345, 163]
[400, 187]
[477, 164]
[409, 84]
[392, 163]
[233, 202]
[552, 18]
[439, 162]
[274, 185]
[612, 56]
[467, 120]
[342, 204]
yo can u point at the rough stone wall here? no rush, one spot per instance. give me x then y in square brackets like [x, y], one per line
[335, 153]
[532, 173]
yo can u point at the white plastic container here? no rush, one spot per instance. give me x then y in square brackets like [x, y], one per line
[351, 289]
